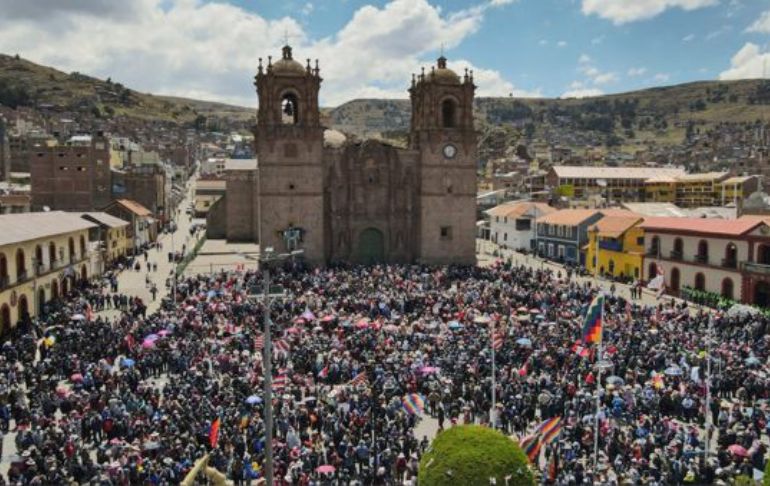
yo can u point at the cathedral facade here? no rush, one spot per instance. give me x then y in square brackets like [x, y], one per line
[356, 201]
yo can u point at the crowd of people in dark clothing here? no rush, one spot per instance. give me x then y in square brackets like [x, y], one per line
[131, 400]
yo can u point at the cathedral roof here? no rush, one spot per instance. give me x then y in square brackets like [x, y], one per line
[443, 74]
[287, 66]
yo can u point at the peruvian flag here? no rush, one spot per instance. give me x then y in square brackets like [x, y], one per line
[324, 372]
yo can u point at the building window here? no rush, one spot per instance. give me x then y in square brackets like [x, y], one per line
[640, 241]
[550, 249]
[448, 113]
[289, 109]
[703, 251]
[446, 232]
[505, 236]
[523, 225]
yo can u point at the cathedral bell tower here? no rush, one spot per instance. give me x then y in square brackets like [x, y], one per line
[289, 150]
[442, 133]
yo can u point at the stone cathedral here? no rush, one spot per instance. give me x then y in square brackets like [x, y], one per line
[355, 201]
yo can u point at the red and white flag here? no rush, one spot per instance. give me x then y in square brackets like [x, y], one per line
[279, 382]
[359, 379]
[259, 342]
[497, 340]
[324, 372]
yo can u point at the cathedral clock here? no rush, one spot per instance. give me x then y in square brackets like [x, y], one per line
[450, 151]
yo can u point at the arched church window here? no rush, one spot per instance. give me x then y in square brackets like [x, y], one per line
[448, 113]
[289, 109]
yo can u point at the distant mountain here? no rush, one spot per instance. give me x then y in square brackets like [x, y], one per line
[24, 83]
[662, 117]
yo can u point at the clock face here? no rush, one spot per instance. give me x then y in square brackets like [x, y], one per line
[450, 151]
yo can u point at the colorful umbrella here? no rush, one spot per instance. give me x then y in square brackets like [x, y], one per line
[325, 469]
[76, 378]
[738, 450]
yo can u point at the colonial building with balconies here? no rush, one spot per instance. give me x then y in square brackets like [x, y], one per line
[42, 255]
[727, 257]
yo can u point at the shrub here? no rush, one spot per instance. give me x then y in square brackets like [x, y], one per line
[471, 455]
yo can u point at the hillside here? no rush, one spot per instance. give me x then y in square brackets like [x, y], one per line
[658, 118]
[24, 83]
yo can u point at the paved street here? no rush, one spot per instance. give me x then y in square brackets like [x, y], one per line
[133, 283]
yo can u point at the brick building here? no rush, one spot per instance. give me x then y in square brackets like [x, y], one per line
[74, 177]
[359, 201]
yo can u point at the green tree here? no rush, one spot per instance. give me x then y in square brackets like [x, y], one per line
[471, 455]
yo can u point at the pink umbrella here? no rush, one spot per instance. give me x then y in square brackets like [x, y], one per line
[738, 450]
[76, 378]
[326, 468]
[426, 370]
[328, 318]
[147, 344]
[362, 323]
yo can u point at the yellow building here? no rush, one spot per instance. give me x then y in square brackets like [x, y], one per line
[660, 189]
[42, 255]
[737, 189]
[697, 190]
[620, 246]
[112, 232]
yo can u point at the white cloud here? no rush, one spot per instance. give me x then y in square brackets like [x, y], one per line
[661, 77]
[543, 42]
[596, 76]
[634, 72]
[748, 63]
[307, 9]
[761, 25]
[175, 46]
[562, 43]
[582, 93]
[688, 38]
[624, 11]
[598, 40]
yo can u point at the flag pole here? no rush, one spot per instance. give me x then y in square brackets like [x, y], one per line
[708, 388]
[492, 345]
[600, 354]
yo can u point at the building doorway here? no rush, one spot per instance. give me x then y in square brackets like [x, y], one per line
[371, 246]
[40, 302]
[23, 308]
[674, 284]
[5, 320]
[762, 294]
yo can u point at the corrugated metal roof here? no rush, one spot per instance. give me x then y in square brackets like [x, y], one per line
[587, 172]
[107, 219]
[20, 227]
[134, 207]
[614, 226]
[241, 164]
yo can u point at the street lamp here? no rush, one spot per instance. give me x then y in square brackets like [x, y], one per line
[264, 259]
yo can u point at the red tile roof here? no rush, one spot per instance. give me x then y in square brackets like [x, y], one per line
[727, 227]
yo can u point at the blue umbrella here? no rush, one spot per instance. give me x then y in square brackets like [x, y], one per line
[253, 399]
[524, 342]
[455, 325]
[151, 337]
[752, 361]
[673, 371]
[128, 362]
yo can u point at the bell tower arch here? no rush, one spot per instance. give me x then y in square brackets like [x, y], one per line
[289, 149]
[443, 134]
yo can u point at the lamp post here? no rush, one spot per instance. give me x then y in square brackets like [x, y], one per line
[264, 259]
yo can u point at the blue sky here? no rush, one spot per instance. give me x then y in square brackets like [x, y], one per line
[368, 48]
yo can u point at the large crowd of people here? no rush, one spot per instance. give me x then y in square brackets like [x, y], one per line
[132, 400]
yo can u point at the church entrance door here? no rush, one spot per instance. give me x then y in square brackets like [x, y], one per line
[371, 246]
